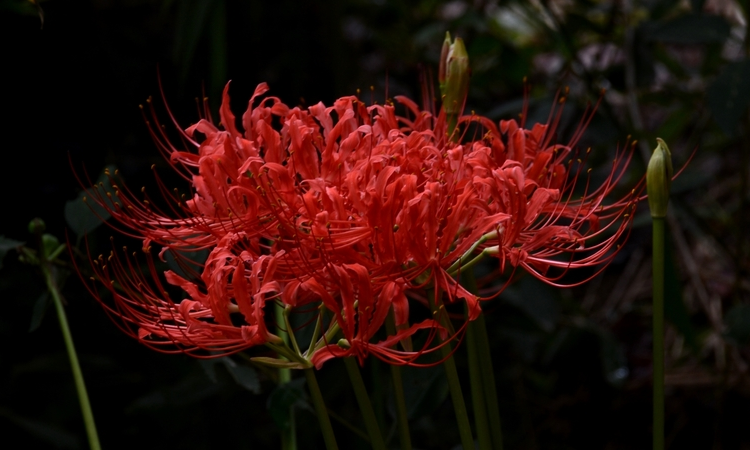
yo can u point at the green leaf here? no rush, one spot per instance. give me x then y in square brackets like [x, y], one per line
[737, 322]
[729, 95]
[283, 399]
[40, 307]
[84, 216]
[692, 29]
[6, 245]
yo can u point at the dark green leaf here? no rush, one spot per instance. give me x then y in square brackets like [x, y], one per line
[692, 29]
[40, 307]
[729, 95]
[737, 323]
[6, 245]
[84, 216]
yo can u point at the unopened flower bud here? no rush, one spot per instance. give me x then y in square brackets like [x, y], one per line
[453, 74]
[37, 226]
[658, 179]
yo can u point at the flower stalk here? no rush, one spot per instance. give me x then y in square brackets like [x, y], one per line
[402, 416]
[288, 434]
[83, 396]
[658, 180]
[320, 410]
[49, 248]
[483, 391]
[488, 382]
[365, 406]
[454, 384]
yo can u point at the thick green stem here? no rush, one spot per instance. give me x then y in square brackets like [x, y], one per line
[402, 416]
[658, 331]
[488, 381]
[462, 417]
[454, 384]
[365, 406]
[83, 396]
[482, 374]
[288, 434]
[477, 389]
[320, 410]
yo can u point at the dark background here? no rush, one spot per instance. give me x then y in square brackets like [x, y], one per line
[573, 365]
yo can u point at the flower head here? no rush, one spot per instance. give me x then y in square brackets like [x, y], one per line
[348, 211]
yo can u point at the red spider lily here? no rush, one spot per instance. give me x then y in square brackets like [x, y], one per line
[523, 174]
[348, 209]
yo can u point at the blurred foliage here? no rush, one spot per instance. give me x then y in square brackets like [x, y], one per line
[573, 365]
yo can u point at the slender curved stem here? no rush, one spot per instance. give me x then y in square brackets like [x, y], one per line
[363, 399]
[320, 410]
[658, 330]
[83, 396]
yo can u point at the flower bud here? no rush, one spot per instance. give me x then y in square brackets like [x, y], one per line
[658, 179]
[453, 74]
[37, 226]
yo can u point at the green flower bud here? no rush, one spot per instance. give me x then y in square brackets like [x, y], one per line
[658, 179]
[453, 74]
[37, 226]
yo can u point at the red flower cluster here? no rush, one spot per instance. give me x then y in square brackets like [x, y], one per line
[348, 210]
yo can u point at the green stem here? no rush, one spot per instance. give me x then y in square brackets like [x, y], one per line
[454, 268]
[477, 389]
[402, 416]
[83, 396]
[488, 381]
[658, 331]
[320, 410]
[454, 384]
[368, 414]
[486, 409]
[288, 434]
